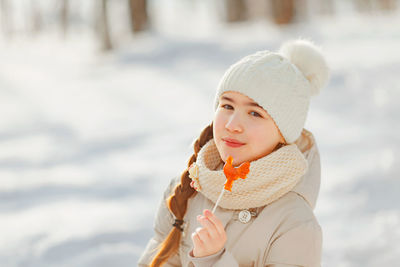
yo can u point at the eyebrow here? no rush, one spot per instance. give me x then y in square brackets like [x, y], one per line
[247, 104]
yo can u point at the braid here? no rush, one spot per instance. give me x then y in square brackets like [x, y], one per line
[177, 202]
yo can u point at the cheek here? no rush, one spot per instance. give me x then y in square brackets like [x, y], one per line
[261, 134]
[256, 127]
[219, 124]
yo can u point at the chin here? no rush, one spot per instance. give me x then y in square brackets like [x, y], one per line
[226, 155]
[238, 162]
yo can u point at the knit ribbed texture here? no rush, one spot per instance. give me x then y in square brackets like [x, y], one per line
[276, 84]
[269, 178]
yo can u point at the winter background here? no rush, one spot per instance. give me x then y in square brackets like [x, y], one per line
[90, 139]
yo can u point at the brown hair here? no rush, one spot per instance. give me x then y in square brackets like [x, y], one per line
[177, 201]
[305, 141]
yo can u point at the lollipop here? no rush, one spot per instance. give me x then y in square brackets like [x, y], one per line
[232, 174]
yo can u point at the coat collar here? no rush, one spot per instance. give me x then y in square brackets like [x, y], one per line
[309, 184]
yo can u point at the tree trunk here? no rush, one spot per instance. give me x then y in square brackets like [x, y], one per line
[6, 25]
[282, 11]
[326, 7]
[138, 15]
[64, 14]
[387, 5]
[103, 27]
[36, 17]
[236, 10]
[364, 6]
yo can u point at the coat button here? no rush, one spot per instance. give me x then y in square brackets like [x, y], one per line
[244, 216]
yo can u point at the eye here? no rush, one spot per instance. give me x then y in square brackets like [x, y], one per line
[256, 114]
[226, 105]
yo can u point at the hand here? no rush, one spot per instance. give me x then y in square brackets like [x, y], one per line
[210, 238]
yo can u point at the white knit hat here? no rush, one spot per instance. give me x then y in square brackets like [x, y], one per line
[281, 82]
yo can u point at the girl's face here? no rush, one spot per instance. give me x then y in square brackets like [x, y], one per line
[243, 129]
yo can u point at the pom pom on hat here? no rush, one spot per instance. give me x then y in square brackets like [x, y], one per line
[307, 57]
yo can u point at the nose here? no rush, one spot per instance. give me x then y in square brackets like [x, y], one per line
[234, 124]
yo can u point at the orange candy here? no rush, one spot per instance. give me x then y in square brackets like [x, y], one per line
[232, 173]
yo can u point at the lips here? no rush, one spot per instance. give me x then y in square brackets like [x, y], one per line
[232, 142]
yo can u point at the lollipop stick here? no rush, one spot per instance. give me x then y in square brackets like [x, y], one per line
[218, 200]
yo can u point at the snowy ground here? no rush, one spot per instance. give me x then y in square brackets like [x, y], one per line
[80, 134]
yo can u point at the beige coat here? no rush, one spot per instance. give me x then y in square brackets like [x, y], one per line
[284, 233]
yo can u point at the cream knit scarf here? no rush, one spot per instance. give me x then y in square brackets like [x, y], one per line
[269, 178]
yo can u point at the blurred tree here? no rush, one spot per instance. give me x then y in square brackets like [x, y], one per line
[300, 10]
[36, 17]
[371, 6]
[138, 15]
[282, 11]
[6, 22]
[64, 14]
[326, 7]
[258, 9]
[388, 5]
[101, 24]
[236, 10]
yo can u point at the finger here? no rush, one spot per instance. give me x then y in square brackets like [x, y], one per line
[203, 235]
[212, 230]
[214, 219]
[196, 240]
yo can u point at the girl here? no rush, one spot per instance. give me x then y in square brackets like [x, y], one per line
[267, 219]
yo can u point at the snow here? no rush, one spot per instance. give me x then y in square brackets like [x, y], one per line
[89, 141]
